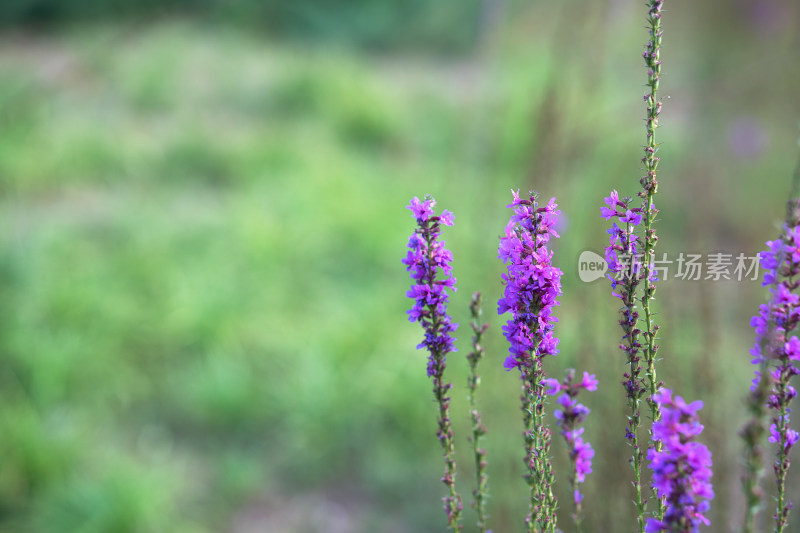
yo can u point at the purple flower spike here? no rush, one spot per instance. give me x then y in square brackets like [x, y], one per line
[622, 253]
[428, 261]
[532, 287]
[569, 418]
[776, 350]
[682, 469]
[532, 283]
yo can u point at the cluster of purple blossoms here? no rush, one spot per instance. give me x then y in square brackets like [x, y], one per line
[776, 350]
[426, 258]
[622, 254]
[682, 469]
[569, 417]
[532, 283]
[625, 269]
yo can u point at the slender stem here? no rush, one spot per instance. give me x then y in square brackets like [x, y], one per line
[652, 57]
[632, 381]
[481, 491]
[636, 464]
[540, 477]
[528, 408]
[537, 439]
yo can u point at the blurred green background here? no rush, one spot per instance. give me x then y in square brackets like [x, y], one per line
[202, 213]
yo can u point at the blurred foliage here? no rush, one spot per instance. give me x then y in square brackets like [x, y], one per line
[200, 281]
[445, 25]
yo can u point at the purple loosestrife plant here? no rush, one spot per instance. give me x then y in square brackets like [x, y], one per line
[532, 286]
[763, 352]
[427, 258]
[682, 468]
[625, 272]
[776, 350]
[569, 417]
[481, 491]
[631, 258]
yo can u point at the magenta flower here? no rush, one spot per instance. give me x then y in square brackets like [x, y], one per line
[622, 253]
[569, 417]
[631, 218]
[428, 261]
[776, 350]
[791, 435]
[682, 469]
[612, 202]
[588, 382]
[532, 283]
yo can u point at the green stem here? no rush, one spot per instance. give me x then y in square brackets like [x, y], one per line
[632, 384]
[478, 430]
[537, 438]
[652, 57]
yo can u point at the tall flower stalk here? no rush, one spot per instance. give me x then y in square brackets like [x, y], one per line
[775, 352]
[426, 259]
[532, 285]
[652, 60]
[763, 352]
[625, 272]
[631, 259]
[569, 417]
[681, 468]
[481, 491]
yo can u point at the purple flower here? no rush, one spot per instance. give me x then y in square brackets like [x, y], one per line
[612, 201]
[532, 286]
[532, 283]
[422, 210]
[631, 218]
[428, 261]
[775, 434]
[553, 386]
[682, 469]
[589, 382]
[568, 418]
[776, 350]
[622, 255]
[792, 349]
[446, 218]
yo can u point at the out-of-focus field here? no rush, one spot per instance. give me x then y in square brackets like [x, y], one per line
[201, 297]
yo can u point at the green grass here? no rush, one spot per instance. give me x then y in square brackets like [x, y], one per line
[201, 289]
